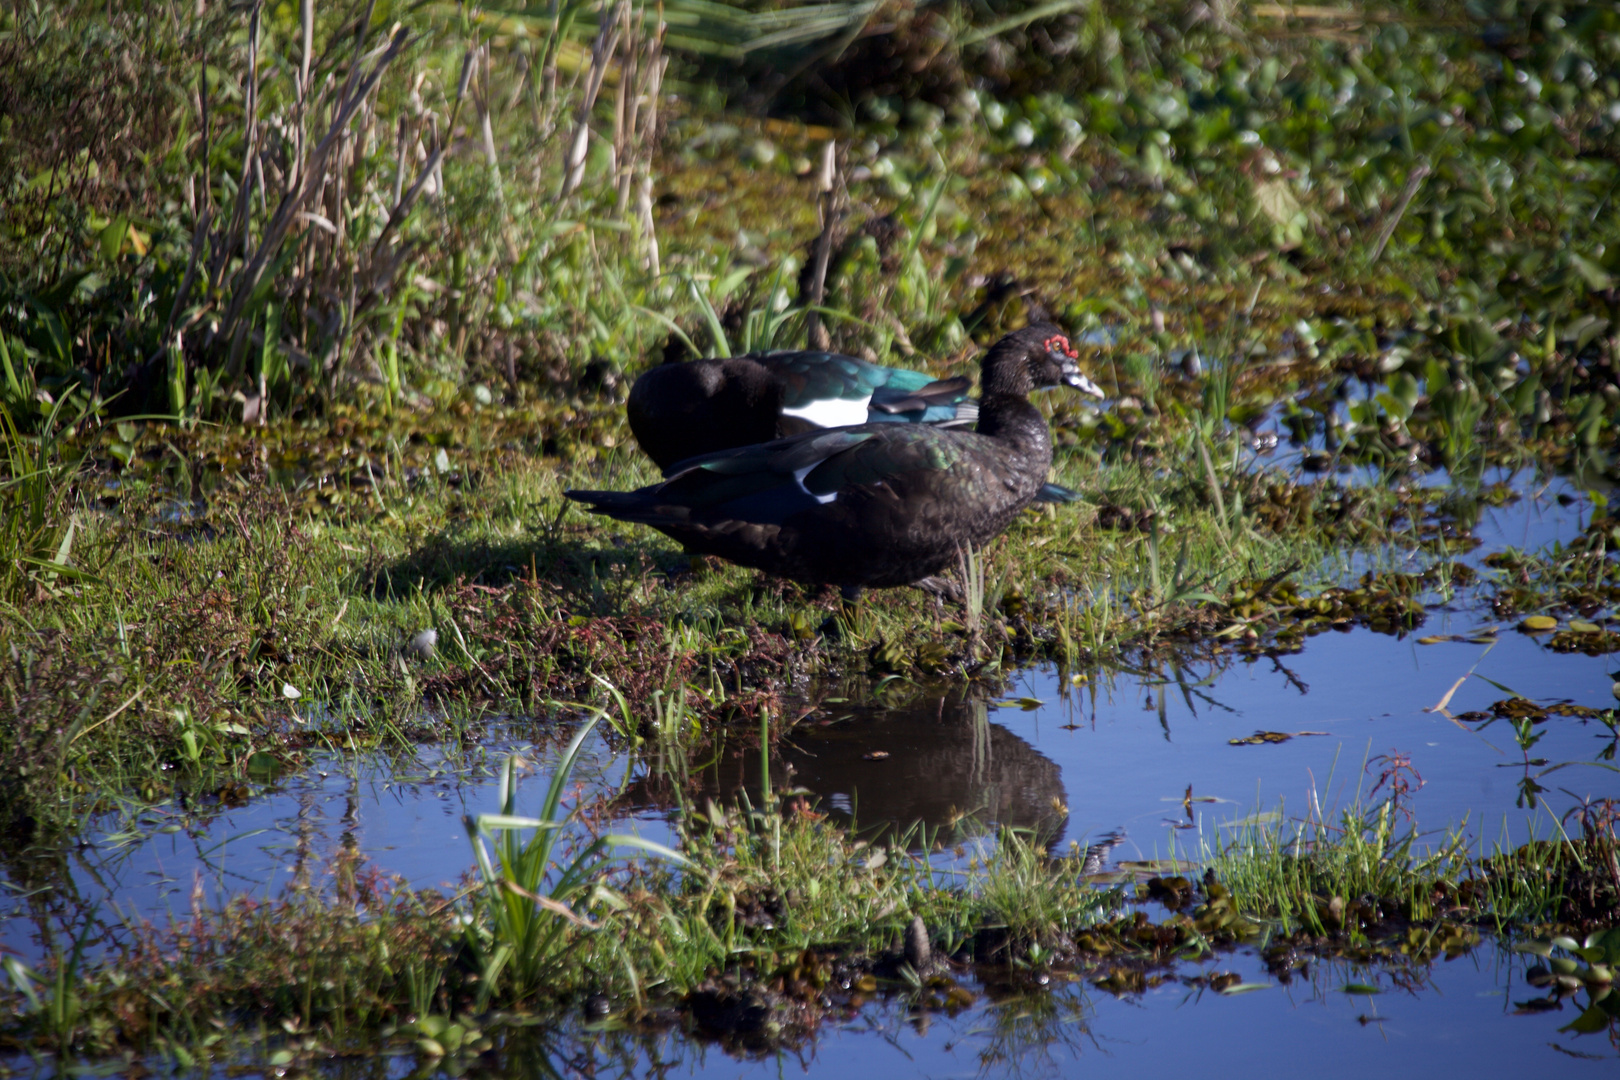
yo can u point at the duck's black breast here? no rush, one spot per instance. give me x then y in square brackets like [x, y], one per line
[683, 410]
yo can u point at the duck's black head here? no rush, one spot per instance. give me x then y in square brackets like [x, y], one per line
[1036, 356]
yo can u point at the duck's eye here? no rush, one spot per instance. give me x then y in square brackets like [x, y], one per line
[1059, 344]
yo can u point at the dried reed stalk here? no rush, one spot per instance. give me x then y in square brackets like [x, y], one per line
[829, 207]
[311, 180]
[602, 50]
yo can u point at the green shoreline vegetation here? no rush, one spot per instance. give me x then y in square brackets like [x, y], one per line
[309, 312]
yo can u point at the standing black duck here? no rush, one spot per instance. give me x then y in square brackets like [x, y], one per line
[870, 505]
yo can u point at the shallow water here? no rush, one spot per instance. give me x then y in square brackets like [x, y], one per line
[1067, 761]
[1117, 754]
[1464, 1015]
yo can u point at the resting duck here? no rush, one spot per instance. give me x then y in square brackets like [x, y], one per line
[870, 505]
[684, 410]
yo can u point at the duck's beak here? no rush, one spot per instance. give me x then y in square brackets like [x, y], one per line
[1073, 376]
[1085, 385]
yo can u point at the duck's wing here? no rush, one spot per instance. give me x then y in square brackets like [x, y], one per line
[941, 401]
[894, 456]
[832, 390]
[680, 410]
[822, 389]
[764, 483]
[771, 482]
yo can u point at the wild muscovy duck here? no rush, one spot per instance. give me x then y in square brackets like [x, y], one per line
[874, 504]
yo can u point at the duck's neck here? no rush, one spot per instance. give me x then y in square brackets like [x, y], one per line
[1012, 420]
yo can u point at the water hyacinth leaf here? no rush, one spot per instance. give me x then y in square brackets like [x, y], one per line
[112, 237]
[1535, 624]
[1590, 1022]
[1027, 704]
[1608, 941]
[1580, 626]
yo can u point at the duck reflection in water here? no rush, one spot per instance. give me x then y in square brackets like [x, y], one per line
[937, 762]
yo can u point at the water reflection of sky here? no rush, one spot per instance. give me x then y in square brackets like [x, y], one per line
[1139, 741]
[1460, 1018]
[403, 812]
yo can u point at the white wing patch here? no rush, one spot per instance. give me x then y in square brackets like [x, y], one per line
[832, 412]
[798, 478]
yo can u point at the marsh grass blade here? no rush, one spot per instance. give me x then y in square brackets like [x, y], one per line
[536, 886]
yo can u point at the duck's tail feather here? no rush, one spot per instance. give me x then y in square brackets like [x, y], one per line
[1057, 493]
[625, 505]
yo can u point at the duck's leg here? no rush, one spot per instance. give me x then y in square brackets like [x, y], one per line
[848, 604]
[939, 588]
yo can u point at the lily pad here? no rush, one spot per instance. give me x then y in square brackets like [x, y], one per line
[1535, 624]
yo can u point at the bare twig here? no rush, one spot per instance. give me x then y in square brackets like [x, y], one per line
[399, 163]
[488, 131]
[198, 235]
[310, 181]
[830, 211]
[306, 19]
[242, 219]
[402, 206]
[202, 105]
[607, 43]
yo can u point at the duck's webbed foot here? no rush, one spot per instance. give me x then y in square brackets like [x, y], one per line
[940, 588]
